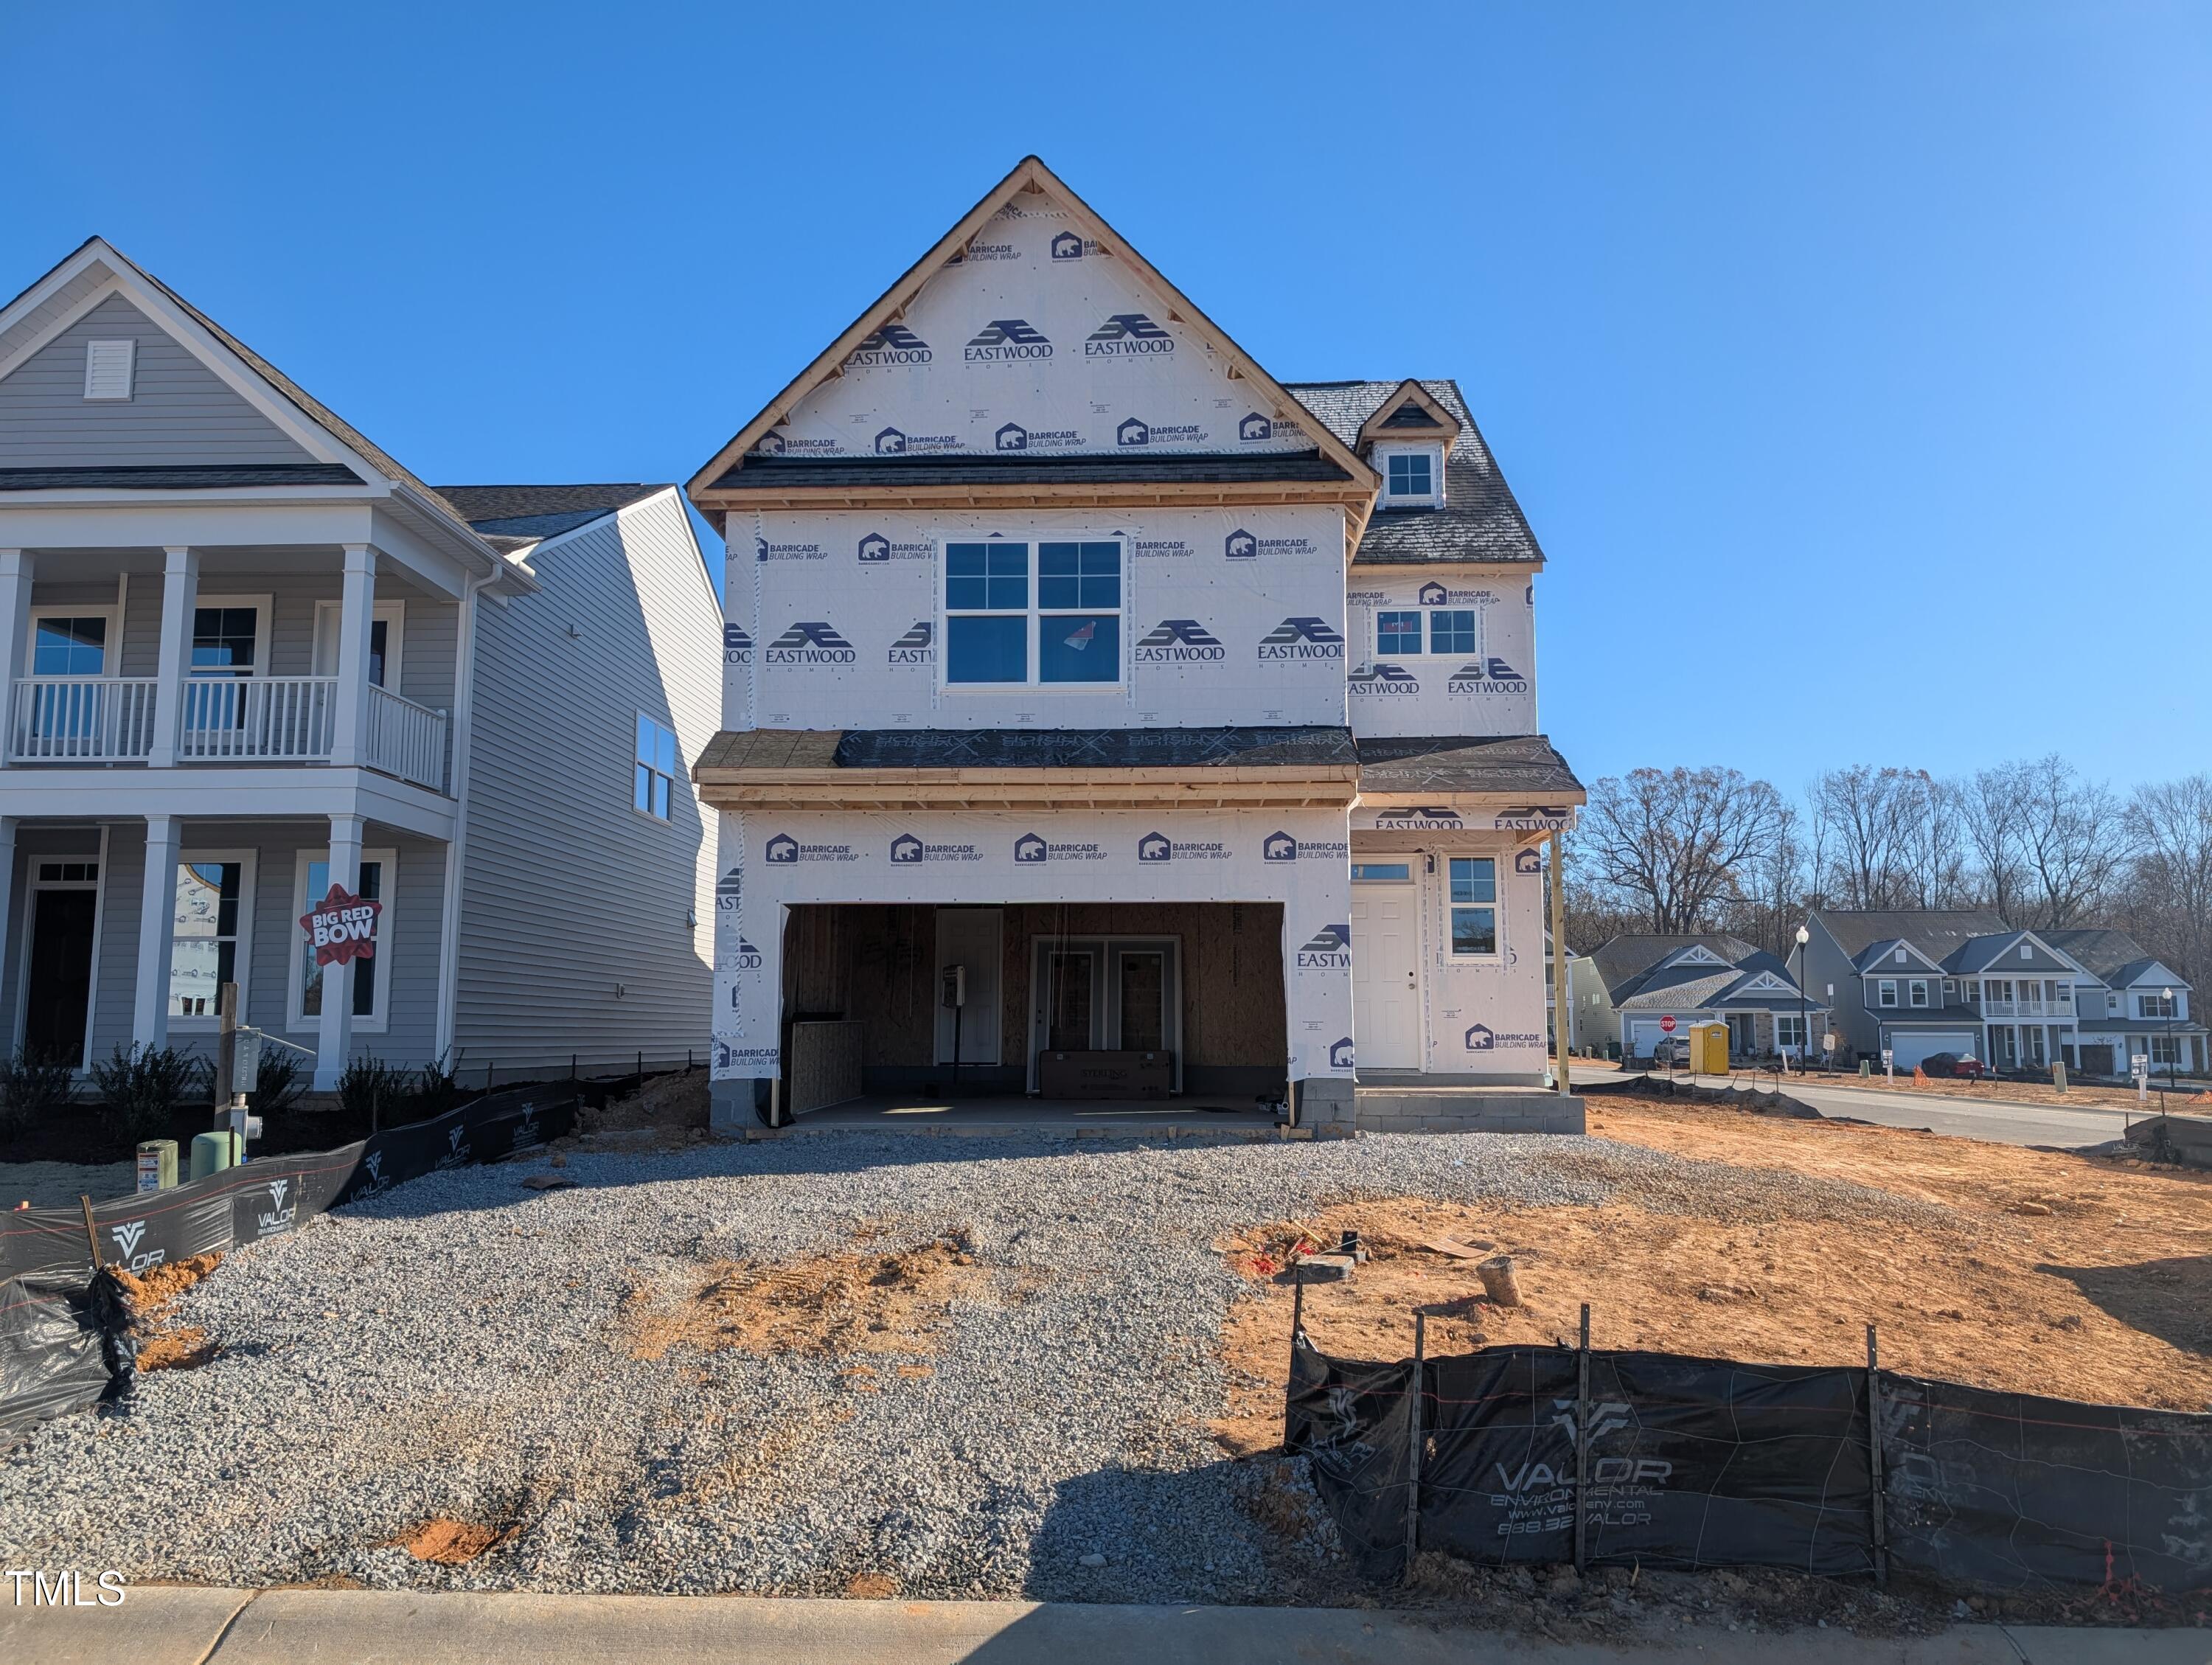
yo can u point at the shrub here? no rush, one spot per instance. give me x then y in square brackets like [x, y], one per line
[31, 1087]
[279, 1080]
[144, 1084]
[437, 1087]
[370, 1088]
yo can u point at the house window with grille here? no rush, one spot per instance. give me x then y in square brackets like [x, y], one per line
[655, 787]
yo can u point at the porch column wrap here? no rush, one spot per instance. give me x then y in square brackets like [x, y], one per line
[157, 923]
[16, 568]
[356, 602]
[1562, 1009]
[334, 1028]
[7, 895]
[180, 588]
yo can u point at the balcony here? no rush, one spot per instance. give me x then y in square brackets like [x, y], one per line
[220, 719]
[2037, 1007]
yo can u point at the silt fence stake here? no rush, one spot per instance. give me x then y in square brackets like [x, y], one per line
[1413, 1441]
[1874, 1460]
[1581, 1444]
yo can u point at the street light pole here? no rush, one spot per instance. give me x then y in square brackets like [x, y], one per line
[1804, 1014]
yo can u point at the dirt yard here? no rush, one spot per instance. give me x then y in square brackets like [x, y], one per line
[2081, 1278]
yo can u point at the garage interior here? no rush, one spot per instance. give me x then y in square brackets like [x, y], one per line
[1074, 1001]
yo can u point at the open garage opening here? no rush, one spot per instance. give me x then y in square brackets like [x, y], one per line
[1078, 1003]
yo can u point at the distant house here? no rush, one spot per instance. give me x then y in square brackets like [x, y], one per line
[1920, 981]
[1626, 990]
[2128, 1004]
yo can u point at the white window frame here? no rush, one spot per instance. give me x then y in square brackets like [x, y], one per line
[636, 763]
[1495, 904]
[380, 1018]
[1785, 1024]
[1916, 993]
[1434, 497]
[393, 615]
[2145, 999]
[1427, 650]
[1885, 993]
[111, 658]
[262, 607]
[241, 964]
[1031, 615]
[2163, 1049]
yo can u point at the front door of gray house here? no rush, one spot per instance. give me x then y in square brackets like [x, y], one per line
[58, 973]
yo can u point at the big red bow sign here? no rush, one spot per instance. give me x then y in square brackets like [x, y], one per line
[341, 926]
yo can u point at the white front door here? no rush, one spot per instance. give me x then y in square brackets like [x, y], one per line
[1386, 991]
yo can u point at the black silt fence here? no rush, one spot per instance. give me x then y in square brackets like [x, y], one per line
[1683, 1463]
[62, 1346]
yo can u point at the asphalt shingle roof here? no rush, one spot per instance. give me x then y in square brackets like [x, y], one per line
[1481, 520]
[540, 511]
[174, 478]
[1518, 763]
[1936, 933]
[1631, 955]
[1030, 748]
[2113, 957]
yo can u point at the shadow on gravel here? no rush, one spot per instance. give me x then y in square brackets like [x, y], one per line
[2169, 1299]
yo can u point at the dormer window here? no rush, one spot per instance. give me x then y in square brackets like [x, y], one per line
[1412, 476]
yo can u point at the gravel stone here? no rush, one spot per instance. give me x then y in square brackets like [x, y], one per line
[452, 1348]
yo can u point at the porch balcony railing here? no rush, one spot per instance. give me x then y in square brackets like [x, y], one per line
[2035, 1008]
[288, 720]
[220, 719]
[406, 739]
[82, 719]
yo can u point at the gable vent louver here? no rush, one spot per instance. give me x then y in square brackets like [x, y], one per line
[108, 366]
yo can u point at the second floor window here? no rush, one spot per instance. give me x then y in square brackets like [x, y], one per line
[1886, 992]
[2155, 1005]
[69, 645]
[655, 786]
[1413, 474]
[1063, 630]
[223, 640]
[1918, 991]
[1397, 635]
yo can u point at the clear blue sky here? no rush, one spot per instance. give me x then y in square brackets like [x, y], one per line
[1854, 362]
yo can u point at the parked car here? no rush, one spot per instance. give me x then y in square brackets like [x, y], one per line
[1956, 1065]
[1672, 1049]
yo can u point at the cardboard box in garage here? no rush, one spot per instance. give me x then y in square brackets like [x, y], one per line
[1106, 1075]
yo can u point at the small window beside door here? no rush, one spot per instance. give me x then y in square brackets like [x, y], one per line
[1473, 905]
[211, 932]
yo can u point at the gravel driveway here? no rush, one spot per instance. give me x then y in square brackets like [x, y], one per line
[464, 1347]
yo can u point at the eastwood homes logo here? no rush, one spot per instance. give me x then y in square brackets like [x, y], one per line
[913, 647]
[1127, 335]
[897, 442]
[1281, 846]
[1534, 817]
[1301, 639]
[1487, 676]
[1177, 641]
[128, 1236]
[729, 889]
[742, 957]
[1243, 546]
[737, 645]
[782, 850]
[1007, 341]
[1015, 437]
[810, 641]
[1134, 432]
[1480, 1037]
[764, 550]
[1158, 847]
[876, 547]
[1379, 678]
[1328, 950]
[906, 848]
[1428, 817]
[1066, 245]
[894, 343]
[1033, 848]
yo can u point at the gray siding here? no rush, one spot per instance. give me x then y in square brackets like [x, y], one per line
[568, 891]
[54, 309]
[180, 412]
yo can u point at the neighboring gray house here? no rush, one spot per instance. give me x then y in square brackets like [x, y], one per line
[245, 653]
[2130, 1005]
[1626, 990]
[1918, 982]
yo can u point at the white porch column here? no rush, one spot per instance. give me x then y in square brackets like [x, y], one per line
[157, 925]
[7, 895]
[356, 602]
[180, 588]
[15, 566]
[334, 1031]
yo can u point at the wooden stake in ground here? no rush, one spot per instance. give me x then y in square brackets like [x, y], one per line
[1499, 1282]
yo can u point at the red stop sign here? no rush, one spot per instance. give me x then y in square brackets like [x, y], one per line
[1667, 1026]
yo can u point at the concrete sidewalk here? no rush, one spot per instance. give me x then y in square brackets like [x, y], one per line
[172, 1626]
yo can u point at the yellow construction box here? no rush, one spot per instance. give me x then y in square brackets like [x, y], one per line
[1708, 1049]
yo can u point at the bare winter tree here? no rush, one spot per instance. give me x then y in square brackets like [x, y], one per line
[2074, 838]
[1993, 811]
[1771, 896]
[1677, 843]
[1870, 819]
[2170, 902]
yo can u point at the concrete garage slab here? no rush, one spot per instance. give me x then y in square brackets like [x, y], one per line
[1192, 1114]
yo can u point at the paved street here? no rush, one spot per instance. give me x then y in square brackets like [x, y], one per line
[2001, 1120]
